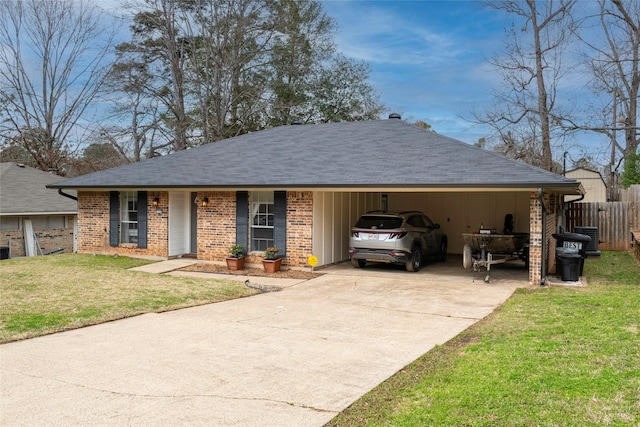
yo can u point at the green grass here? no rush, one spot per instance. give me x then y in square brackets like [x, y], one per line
[548, 357]
[42, 295]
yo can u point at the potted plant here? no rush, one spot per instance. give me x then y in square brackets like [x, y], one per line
[271, 263]
[235, 260]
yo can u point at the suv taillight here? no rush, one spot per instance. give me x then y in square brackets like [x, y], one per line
[397, 234]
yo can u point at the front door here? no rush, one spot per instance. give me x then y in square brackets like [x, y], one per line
[179, 223]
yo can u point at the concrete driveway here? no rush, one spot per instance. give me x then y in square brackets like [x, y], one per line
[291, 358]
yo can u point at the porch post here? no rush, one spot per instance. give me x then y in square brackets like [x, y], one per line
[535, 239]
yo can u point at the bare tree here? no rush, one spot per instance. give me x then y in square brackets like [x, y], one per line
[52, 64]
[532, 68]
[614, 60]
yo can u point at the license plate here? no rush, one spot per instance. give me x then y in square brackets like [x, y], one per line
[372, 236]
[573, 245]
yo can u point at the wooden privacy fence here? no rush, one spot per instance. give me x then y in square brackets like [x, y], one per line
[632, 195]
[613, 219]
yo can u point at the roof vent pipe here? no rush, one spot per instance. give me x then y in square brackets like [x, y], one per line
[395, 116]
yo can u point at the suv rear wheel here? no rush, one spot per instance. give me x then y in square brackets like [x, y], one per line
[442, 254]
[415, 262]
[360, 263]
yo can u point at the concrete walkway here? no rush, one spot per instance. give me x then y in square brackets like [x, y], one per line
[166, 266]
[291, 358]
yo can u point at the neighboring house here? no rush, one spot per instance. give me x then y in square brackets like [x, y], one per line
[594, 186]
[28, 208]
[302, 187]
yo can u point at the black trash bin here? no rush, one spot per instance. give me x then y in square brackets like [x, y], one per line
[575, 241]
[4, 252]
[569, 267]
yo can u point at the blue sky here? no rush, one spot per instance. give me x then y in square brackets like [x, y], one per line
[429, 61]
[428, 58]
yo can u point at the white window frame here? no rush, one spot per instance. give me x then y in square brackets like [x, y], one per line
[129, 217]
[261, 220]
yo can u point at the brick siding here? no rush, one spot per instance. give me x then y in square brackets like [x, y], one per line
[216, 224]
[217, 228]
[93, 226]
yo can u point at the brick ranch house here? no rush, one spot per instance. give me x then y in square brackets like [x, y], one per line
[302, 187]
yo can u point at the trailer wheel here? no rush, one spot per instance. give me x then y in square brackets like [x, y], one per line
[467, 260]
[525, 256]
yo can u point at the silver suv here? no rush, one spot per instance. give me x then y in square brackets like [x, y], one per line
[399, 238]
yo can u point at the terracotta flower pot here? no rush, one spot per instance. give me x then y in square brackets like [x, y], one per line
[235, 263]
[271, 265]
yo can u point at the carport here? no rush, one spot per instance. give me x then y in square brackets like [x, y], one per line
[457, 212]
[463, 210]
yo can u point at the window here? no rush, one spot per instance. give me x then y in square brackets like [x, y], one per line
[47, 222]
[428, 221]
[416, 221]
[9, 223]
[129, 217]
[382, 222]
[261, 220]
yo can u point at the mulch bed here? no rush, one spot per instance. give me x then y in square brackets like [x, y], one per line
[222, 269]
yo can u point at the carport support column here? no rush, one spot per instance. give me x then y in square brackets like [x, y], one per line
[535, 241]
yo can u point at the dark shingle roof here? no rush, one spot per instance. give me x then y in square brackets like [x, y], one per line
[378, 153]
[23, 191]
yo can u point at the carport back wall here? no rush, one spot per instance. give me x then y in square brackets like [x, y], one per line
[464, 212]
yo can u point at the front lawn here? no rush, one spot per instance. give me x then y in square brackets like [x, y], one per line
[548, 357]
[46, 294]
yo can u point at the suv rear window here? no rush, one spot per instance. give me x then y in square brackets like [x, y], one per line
[379, 222]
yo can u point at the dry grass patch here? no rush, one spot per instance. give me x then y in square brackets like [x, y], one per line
[42, 295]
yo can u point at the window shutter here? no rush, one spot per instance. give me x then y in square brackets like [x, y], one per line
[114, 217]
[242, 219]
[142, 219]
[280, 221]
